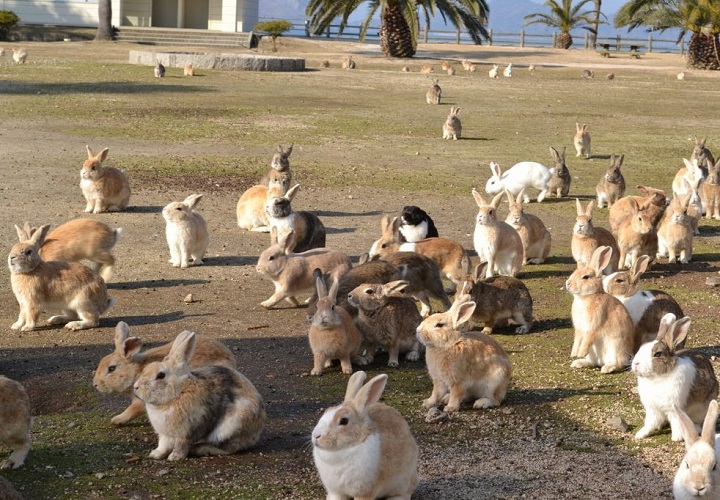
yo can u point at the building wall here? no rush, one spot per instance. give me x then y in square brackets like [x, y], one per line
[58, 12]
[136, 13]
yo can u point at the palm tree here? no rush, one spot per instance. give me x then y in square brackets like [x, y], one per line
[700, 17]
[564, 16]
[400, 19]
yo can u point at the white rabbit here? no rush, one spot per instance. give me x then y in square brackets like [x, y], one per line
[493, 73]
[698, 474]
[364, 448]
[524, 175]
[507, 72]
[186, 232]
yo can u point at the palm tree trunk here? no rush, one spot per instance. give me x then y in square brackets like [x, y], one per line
[396, 39]
[596, 24]
[104, 29]
[704, 51]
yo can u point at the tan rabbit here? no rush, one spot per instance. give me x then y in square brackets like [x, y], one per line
[363, 448]
[581, 141]
[611, 186]
[496, 242]
[587, 238]
[387, 317]
[445, 65]
[212, 410]
[452, 128]
[106, 189]
[646, 307]
[348, 63]
[20, 55]
[250, 210]
[292, 273]
[82, 239]
[711, 192]
[71, 287]
[15, 421]
[450, 71]
[635, 237]
[466, 64]
[434, 93]
[675, 235]
[670, 379]
[463, 366]
[188, 70]
[698, 474]
[535, 237]
[118, 371]
[498, 299]
[426, 69]
[333, 334]
[653, 202]
[604, 330]
[280, 173]
[186, 232]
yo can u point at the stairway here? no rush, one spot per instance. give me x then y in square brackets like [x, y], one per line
[176, 36]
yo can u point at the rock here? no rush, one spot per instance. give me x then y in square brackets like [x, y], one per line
[436, 415]
[189, 299]
[617, 423]
[99, 475]
[712, 281]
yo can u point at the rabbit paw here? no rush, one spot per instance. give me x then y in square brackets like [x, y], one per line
[412, 356]
[484, 403]
[522, 329]
[175, 456]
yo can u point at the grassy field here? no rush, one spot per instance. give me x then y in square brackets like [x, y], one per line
[365, 143]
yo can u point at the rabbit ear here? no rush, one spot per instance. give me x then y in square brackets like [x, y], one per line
[122, 332]
[131, 346]
[600, 259]
[192, 200]
[579, 207]
[554, 154]
[38, 236]
[370, 393]
[619, 162]
[678, 331]
[688, 165]
[589, 209]
[562, 155]
[639, 267]
[395, 227]
[334, 290]
[354, 384]
[480, 271]
[273, 235]
[90, 153]
[665, 324]
[520, 197]
[633, 204]
[182, 348]
[292, 192]
[687, 427]
[21, 234]
[479, 199]
[320, 285]
[288, 151]
[497, 200]
[100, 156]
[578, 128]
[395, 288]
[364, 258]
[290, 242]
[495, 168]
[462, 313]
[708, 428]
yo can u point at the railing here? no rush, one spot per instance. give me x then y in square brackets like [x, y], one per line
[651, 43]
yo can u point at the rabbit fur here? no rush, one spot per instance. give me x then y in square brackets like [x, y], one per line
[611, 186]
[452, 128]
[15, 421]
[496, 242]
[186, 232]
[521, 176]
[698, 474]
[535, 237]
[106, 189]
[582, 140]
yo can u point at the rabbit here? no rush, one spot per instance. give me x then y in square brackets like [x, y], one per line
[20, 55]
[653, 203]
[695, 206]
[587, 75]
[534, 235]
[450, 71]
[445, 65]
[15, 421]
[71, 287]
[582, 140]
[159, 70]
[463, 365]
[449, 255]
[587, 238]
[292, 273]
[646, 307]
[118, 371]
[693, 173]
[604, 330]
[711, 192]
[81, 239]
[611, 186]
[495, 241]
[325, 63]
[106, 189]
[675, 234]
[434, 93]
[671, 379]
[636, 237]
[250, 210]
[333, 334]
[698, 474]
[188, 70]
[280, 169]
[524, 175]
[348, 63]
[212, 410]
[610, 76]
[681, 75]
[497, 300]
[507, 72]
[308, 228]
[186, 232]
[363, 448]
[466, 64]
[416, 225]
[388, 317]
[426, 69]
[452, 128]
[703, 156]
[560, 177]
[493, 73]
[423, 277]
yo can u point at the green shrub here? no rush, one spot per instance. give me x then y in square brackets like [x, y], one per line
[274, 28]
[8, 19]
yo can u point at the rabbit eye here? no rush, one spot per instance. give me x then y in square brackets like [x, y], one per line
[585, 277]
[332, 308]
[621, 281]
[657, 354]
[384, 245]
[28, 252]
[111, 368]
[369, 291]
[178, 208]
[343, 421]
[439, 325]
[160, 376]
[272, 258]
[93, 167]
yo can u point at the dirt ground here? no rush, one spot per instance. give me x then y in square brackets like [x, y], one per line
[271, 346]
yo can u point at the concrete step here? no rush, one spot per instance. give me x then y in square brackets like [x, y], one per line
[168, 36]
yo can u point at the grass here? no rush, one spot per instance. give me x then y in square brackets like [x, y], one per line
[371, 128]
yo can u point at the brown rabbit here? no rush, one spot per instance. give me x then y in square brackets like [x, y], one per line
[434, 93]
[710, 193]
[280, 169]
[636, 237]
[560, 179]
[611, 186]
[675, 235]
[653, 202]
[106, 189]
[15, 421]
[587, 238]
[535, 237]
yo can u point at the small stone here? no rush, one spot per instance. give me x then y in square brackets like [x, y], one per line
[189, 299]
[163, 472]
[100, 475]
[712, 281]
[72, 425]
[68, 475]
[617, 423]
[436, 415]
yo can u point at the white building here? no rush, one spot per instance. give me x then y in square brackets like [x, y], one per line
[217, 15]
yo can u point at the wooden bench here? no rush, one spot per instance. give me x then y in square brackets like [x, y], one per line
[633, 48]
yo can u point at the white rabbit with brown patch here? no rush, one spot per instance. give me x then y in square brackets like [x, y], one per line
[535, 237]
[496, 242]
[15, 421]
[186, 232]
[363, 448]
[106, 189]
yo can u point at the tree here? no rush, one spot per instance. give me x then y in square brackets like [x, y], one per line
[274, 28]
[8, 19]
[104, 29]
[564, 16]
[596, 23]
[400, 19]
[699, 17]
